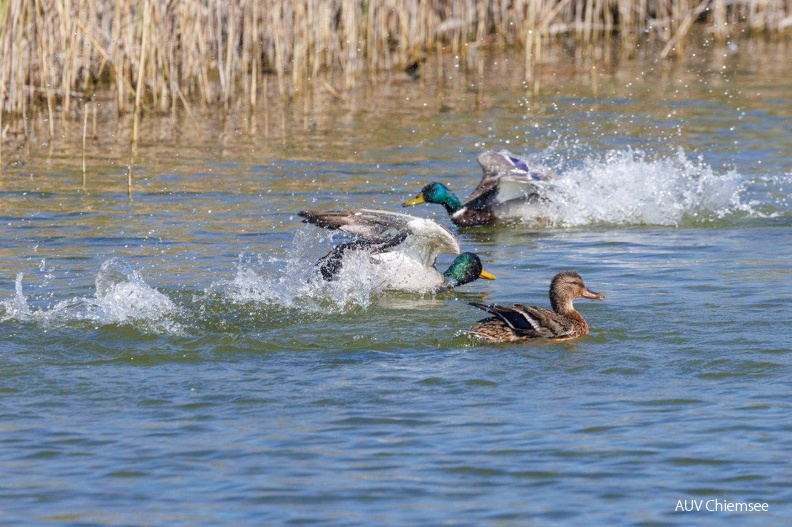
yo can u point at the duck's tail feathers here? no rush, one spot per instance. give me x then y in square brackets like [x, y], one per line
[507, 315]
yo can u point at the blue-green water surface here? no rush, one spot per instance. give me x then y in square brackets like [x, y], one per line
[168, 358]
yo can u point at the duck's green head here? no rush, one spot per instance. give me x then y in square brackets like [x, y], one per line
[436, 193]
[466, 268]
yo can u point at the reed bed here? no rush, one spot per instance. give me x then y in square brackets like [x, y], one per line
[160, 55]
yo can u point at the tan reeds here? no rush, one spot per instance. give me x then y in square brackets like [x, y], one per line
[2, 132]
[682, 29]
[129, 175]
[141, 65]
[85, 133]
[218, 51]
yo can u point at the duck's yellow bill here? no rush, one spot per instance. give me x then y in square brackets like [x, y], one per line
[415, 201]
[486, 275]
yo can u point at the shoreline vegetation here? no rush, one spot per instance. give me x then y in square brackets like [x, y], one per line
[65, 61]
[159, 56]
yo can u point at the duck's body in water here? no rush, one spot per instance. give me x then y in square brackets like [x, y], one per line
[511, 190]
[519, 322]
[403, 249]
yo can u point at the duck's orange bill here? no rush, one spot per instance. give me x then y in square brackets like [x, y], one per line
[486, 275]
[592, 295]
[415, 201]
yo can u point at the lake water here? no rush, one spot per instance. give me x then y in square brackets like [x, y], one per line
[167, 358]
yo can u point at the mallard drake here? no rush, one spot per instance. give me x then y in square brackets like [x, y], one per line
[520, 322]
[403, 247]
[511, 189]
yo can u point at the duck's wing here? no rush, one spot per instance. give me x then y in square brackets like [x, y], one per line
[530, 321]
[495, 162]
[420, 238]
[370, 225]
[506, 178]
[546, 322]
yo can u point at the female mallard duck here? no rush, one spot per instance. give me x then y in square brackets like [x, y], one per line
[403, 247]
[520, 322]
[510, 190]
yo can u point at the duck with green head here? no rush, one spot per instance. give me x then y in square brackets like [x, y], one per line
[402, 248]
[465, 268]
[511, 189]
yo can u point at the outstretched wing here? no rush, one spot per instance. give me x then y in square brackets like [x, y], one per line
[506, 178]
[419, 238]
[494, 162]
[371, 225]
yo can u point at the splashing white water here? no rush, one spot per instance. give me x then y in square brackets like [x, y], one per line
[631, 187]
[296, 283]
[122, 297]
[16, 307]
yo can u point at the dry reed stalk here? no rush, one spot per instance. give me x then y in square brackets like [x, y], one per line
[129, 174]
[300, 46]
[25, 130]
[117, 59]
[278, 32]
[254, 62]
[44, 41]
[265, 97]
[141, 64]
[85, 133]
[69, 60]
[332, 91]
[229, 61]
[719, 19]
[480, 84]
[529, 42]
[2, 104]
[683, 28]
[370, 32]
[186, 106]
[349, 30]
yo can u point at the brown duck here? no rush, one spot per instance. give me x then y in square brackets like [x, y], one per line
[520, 322]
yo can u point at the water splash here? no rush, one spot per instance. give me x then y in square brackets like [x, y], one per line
[294, 282]
[122, 297]
[16, 307]
[632, 187]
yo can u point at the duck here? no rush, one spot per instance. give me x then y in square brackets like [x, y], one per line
[404, 249]
[519, 323]
[511, 190]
